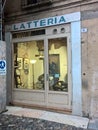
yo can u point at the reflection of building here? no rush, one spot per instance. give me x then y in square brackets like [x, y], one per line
[67, 29]
[53, 68]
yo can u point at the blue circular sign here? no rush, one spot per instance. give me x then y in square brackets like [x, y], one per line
[2, 64]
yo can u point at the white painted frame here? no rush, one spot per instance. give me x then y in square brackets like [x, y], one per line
[46, 92]
[76, 68]
[69, 93]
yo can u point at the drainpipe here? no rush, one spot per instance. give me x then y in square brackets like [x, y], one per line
[2, 5]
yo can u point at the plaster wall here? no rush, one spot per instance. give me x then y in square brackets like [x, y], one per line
[90, 67]
[14, 12]
[2, 78]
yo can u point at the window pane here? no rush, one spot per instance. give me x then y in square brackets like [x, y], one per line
[29, 65]
[32, 1]
[58, 67]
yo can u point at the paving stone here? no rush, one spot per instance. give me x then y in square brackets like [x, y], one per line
[11, 122]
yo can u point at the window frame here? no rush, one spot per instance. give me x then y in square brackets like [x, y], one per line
[25, 4]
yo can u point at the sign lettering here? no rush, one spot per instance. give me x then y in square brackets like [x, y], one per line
[57, 20]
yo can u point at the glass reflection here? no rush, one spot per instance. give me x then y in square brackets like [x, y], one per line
[28, 65]
[58, 67]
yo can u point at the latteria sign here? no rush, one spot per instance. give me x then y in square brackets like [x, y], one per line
[51, 21]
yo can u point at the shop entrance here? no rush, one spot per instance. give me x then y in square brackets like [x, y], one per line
[42, 71]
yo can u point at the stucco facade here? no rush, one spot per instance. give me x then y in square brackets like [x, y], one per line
[89, 65]
[15, 13]
[2, 76]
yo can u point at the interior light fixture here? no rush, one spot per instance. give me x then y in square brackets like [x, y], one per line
[32, 61]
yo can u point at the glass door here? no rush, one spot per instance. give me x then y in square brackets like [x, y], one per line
[58, 64]
[42, 72]
[59, 87]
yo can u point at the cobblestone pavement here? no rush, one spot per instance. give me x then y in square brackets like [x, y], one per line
[11, 122]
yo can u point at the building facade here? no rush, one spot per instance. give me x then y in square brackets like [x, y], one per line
[52, 55]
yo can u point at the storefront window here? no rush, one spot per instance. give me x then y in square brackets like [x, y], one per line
[58, 67]
[29, 65]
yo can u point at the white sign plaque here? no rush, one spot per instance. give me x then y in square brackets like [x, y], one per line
[51, 21]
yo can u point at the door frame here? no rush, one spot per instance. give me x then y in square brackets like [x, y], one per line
[45, 39]
[65, 35]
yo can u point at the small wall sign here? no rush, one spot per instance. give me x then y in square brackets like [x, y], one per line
[84, 30]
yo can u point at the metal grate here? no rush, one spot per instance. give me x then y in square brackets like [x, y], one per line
[29, 33]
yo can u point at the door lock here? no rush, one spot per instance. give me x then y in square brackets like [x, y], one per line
[47, 77]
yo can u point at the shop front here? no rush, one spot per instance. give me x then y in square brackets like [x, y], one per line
[46, 63]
